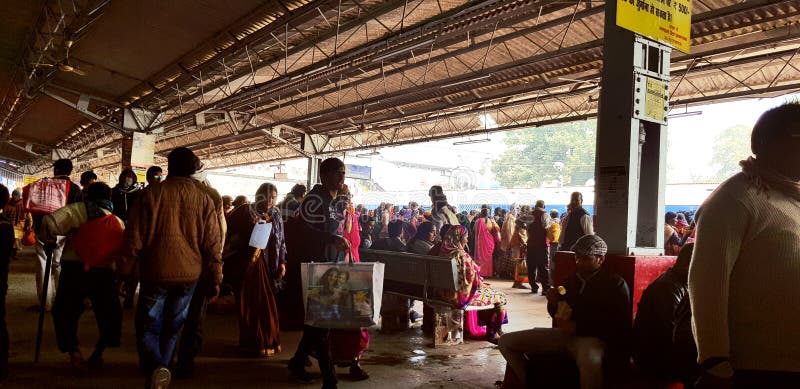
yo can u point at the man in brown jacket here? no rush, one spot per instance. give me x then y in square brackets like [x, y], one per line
[175, 234]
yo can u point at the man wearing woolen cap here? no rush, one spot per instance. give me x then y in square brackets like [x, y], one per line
[591, 318]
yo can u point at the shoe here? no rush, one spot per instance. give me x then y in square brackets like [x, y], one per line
[95, 361]
[357, 373]
[160, 378]
[493, 339]
[299, 374]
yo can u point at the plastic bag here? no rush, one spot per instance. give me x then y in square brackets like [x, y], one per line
[342, 296]
[260, 235]
[29, 239]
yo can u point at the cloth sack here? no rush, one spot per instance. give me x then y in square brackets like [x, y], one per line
[98, 241]
[45, 196]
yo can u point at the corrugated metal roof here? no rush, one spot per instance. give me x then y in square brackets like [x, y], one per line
[372, 72]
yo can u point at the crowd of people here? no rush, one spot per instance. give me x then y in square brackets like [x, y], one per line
[180, 244]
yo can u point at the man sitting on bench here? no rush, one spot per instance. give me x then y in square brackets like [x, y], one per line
[393, 242]
[592, 320]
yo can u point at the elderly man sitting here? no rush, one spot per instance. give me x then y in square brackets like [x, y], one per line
[592, 318]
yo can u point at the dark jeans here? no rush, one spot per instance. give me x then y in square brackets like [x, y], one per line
[160, 313]
[75, 284]
[316, 341]
[756, 379]
[192, 335]
[537, 264]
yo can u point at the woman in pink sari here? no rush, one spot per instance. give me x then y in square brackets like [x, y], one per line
[487, 234]
[352, 228]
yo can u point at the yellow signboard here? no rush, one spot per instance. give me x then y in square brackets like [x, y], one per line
[665, 21]
[655, 99]
[29, 180]
[141, 174]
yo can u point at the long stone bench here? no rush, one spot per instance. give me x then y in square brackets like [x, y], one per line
[425, 278]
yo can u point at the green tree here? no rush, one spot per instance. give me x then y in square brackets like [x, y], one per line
[730, 146]
[533, 156]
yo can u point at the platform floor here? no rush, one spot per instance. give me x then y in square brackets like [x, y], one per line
[394, 360]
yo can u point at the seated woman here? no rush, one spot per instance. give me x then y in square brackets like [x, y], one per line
[472, 291]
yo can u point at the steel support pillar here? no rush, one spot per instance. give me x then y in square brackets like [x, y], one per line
[313, 172]
[630, 165]
[311, 150]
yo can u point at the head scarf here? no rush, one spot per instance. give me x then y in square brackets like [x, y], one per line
[590, 245]
[765, 179]
[452, 241]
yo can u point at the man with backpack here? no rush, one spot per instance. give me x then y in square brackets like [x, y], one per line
[61, 171]
[94, 242]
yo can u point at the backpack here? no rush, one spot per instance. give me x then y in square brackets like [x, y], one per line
[45, 196]
[98, 241]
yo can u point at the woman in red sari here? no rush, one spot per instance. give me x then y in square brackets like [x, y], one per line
[255, 274]
[487, 234]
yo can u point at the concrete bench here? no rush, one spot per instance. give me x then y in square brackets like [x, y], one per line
[425, 278]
